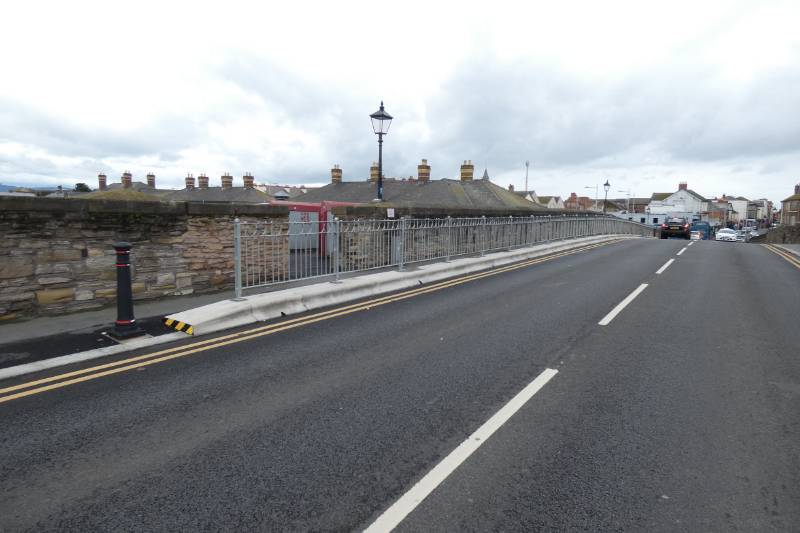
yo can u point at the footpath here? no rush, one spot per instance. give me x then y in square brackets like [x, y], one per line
[47, 342]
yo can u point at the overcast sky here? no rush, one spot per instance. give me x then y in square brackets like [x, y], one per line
[643, 94]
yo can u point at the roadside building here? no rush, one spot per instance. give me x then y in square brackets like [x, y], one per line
[202, 192]
[423, 192]
[579, 203]
[790, 208]
[684, 200]
[551, 202]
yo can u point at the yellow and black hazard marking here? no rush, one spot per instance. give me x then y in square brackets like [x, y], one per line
[177, 325]
[788, 256]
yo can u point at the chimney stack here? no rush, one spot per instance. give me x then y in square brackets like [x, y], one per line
[467, 170]
[682, 186]
[797, 189]
[189, 182]
[249, 181]
[202, 181]
[424, 171]
[101, 182]
[373, 172]
[227, 181]
[336, 174]
[127, 180]
[510, 187]
[151, 181]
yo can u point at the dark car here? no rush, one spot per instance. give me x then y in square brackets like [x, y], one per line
[703, 227]
[676, 227]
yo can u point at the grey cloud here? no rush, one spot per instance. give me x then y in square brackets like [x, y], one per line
[20, 123]
[510, 112]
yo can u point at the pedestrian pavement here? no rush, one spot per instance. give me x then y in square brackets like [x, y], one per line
[791, 248]
[46, 342]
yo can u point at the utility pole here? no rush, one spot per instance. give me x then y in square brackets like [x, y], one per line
[527, 163]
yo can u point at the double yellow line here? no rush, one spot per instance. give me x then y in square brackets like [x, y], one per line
[70, 378]
[793, 259]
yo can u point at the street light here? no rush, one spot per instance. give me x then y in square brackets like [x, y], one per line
[627, 192]
[606, 186]
[381, 120]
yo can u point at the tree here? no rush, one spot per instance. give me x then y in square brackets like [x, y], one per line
[82, 187]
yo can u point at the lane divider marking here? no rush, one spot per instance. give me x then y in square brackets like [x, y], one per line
[666, 266]
[682, 250]
[225, 340]
[691, 243]
[620, 306]
[423, 488]
[794, 261]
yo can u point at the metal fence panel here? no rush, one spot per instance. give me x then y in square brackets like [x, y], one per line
[303, 247]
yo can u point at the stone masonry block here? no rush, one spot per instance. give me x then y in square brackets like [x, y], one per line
[55, 296]
[16, 268]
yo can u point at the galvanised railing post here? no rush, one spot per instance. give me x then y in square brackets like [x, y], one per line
[237, 259]
[336, 252]
[510, 233]
[483, 235]
[449, 237]
[402, 242]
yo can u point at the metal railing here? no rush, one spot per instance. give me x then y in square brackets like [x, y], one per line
[267, 253]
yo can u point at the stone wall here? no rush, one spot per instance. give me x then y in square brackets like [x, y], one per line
[56, 255]
[784, 235]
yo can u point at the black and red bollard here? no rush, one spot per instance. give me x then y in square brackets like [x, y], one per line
[125, 326]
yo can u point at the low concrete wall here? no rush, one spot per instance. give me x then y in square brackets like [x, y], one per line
[56, 255]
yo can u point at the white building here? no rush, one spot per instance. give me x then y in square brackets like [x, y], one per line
[684, 200]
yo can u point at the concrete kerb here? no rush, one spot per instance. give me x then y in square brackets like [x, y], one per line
[261, 307]
[228, 314]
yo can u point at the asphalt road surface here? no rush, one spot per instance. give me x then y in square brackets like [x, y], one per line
[520, 401]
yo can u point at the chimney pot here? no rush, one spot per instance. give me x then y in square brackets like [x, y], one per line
[189, 182]
[336, 174]
[101, 182]
[424, 171]
[227, 181]
[467, 170]
[249, 181]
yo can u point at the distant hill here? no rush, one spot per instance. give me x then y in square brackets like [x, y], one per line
[6, 188]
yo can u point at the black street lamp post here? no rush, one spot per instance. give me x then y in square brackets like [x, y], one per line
[606, 186]
[381, 120]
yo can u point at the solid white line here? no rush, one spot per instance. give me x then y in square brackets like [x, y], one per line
[682, 250]
[666, 266]
[411, 499]
[620, 306]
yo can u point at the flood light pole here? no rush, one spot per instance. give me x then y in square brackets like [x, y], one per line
[381, 120]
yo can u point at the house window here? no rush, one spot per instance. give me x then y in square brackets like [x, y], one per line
[642, 220]
[655, 220]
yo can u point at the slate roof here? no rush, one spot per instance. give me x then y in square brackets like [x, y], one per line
[218, 194]
[792, 198]
[442, 193]
[658, 196]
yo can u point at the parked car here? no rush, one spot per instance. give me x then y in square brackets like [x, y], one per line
[676, 227]
[741, 236]
[726, 235]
